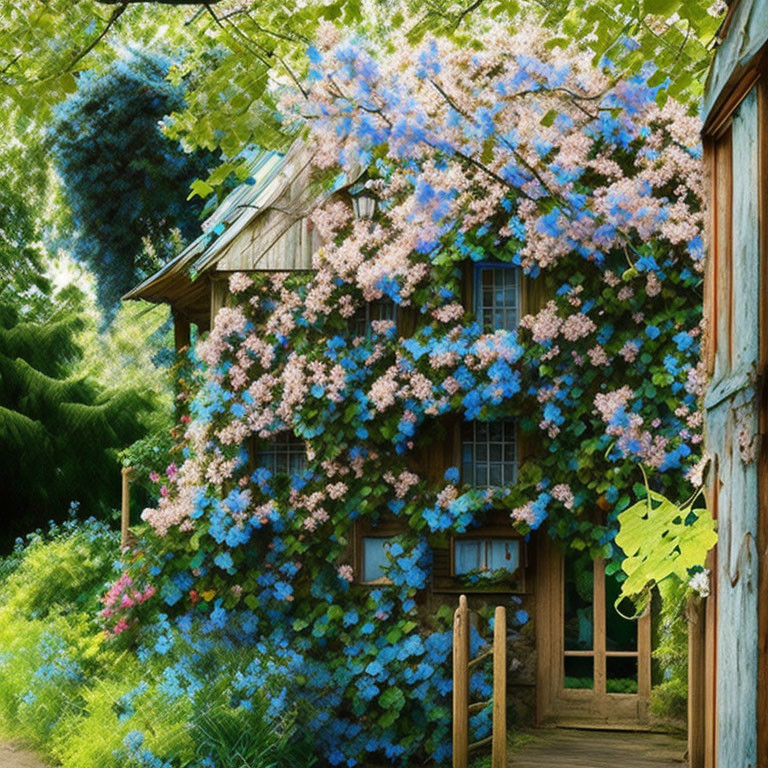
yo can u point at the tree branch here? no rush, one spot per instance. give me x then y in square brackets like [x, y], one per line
[116, 14]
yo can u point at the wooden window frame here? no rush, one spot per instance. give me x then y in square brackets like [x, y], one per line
[477, 288]
[516, 460]
[490, 532]
[385, 529]
[260, 447]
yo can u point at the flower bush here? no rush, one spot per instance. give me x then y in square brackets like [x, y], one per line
[83, 701]
[519, 150]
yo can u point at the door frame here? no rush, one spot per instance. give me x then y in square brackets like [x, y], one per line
[556, 704]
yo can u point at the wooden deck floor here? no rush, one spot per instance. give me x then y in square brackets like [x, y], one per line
[572, 748]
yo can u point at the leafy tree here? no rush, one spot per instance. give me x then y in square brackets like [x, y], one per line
[124, 182]
[58, 433]
[237, 51]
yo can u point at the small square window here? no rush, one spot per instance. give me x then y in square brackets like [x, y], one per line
[380, 309]
[283, 454]
[497, 296]
[489, 453]
[485, 554]
[375, 560]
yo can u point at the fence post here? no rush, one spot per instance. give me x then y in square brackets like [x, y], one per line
[125, 509]
[499, 748]
[461, 684]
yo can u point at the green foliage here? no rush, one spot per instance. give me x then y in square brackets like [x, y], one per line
[49, 641]
[241, 738]
[75, 698]
[58, 429]
[234, 57]
[669, 698]
[662, 541]
[61, 572]
[135, 353]
[124, 182]
[57, 434]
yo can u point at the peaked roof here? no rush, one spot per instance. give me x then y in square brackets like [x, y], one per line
[271, 173]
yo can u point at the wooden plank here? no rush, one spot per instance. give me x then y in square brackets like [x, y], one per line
[572, 748]
[710, 276]
[499, 748]
[710, 661]
[181, 330]
[125, 508]
[737, 661]
[696, 683]
[543, 626]
[762, 472]
[644, 644]
[598, 613]
[461, 684]
[219, 291]
[723, 238]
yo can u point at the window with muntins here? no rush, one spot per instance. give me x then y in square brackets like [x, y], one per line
[380, 309]
[485, 554]
[283, 454]
[497, 296]
[489, 453]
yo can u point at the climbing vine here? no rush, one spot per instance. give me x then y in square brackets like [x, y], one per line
[517, 150]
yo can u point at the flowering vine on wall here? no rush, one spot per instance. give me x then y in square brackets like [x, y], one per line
[517, 150]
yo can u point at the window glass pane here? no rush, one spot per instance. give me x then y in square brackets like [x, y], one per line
[359, 322]
[380, 309]
[488, 453]
[621, 675]
[579, 672]
[578, 604]
[283, 454]
[503, 553]
[383, 309]
[375, 561]
[620, 633]
[469, 555]
[497, 298]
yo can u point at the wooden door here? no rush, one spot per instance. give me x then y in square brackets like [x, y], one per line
[594, 665]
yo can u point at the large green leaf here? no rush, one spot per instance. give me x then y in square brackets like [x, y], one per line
[661, 541]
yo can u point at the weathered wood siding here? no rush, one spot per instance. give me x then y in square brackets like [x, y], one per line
[731, 423]
[275, 241]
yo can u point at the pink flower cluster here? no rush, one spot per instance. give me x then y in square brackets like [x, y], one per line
[122, 597]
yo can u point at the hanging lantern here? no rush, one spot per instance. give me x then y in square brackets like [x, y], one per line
[363, 201]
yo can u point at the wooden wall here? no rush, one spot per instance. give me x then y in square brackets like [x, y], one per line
[725, 704]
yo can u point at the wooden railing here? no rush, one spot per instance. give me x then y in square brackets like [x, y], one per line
[462, 664]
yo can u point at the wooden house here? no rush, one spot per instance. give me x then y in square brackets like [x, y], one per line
[728, 709]
[581, 662]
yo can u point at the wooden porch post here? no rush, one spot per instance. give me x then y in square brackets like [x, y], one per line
[697, 677]
[181, 330]
[499, 745]
[125, 510]
[461, 684]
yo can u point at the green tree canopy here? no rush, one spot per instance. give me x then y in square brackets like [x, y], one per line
[125, 183]
[239, 52]
[58, 433]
